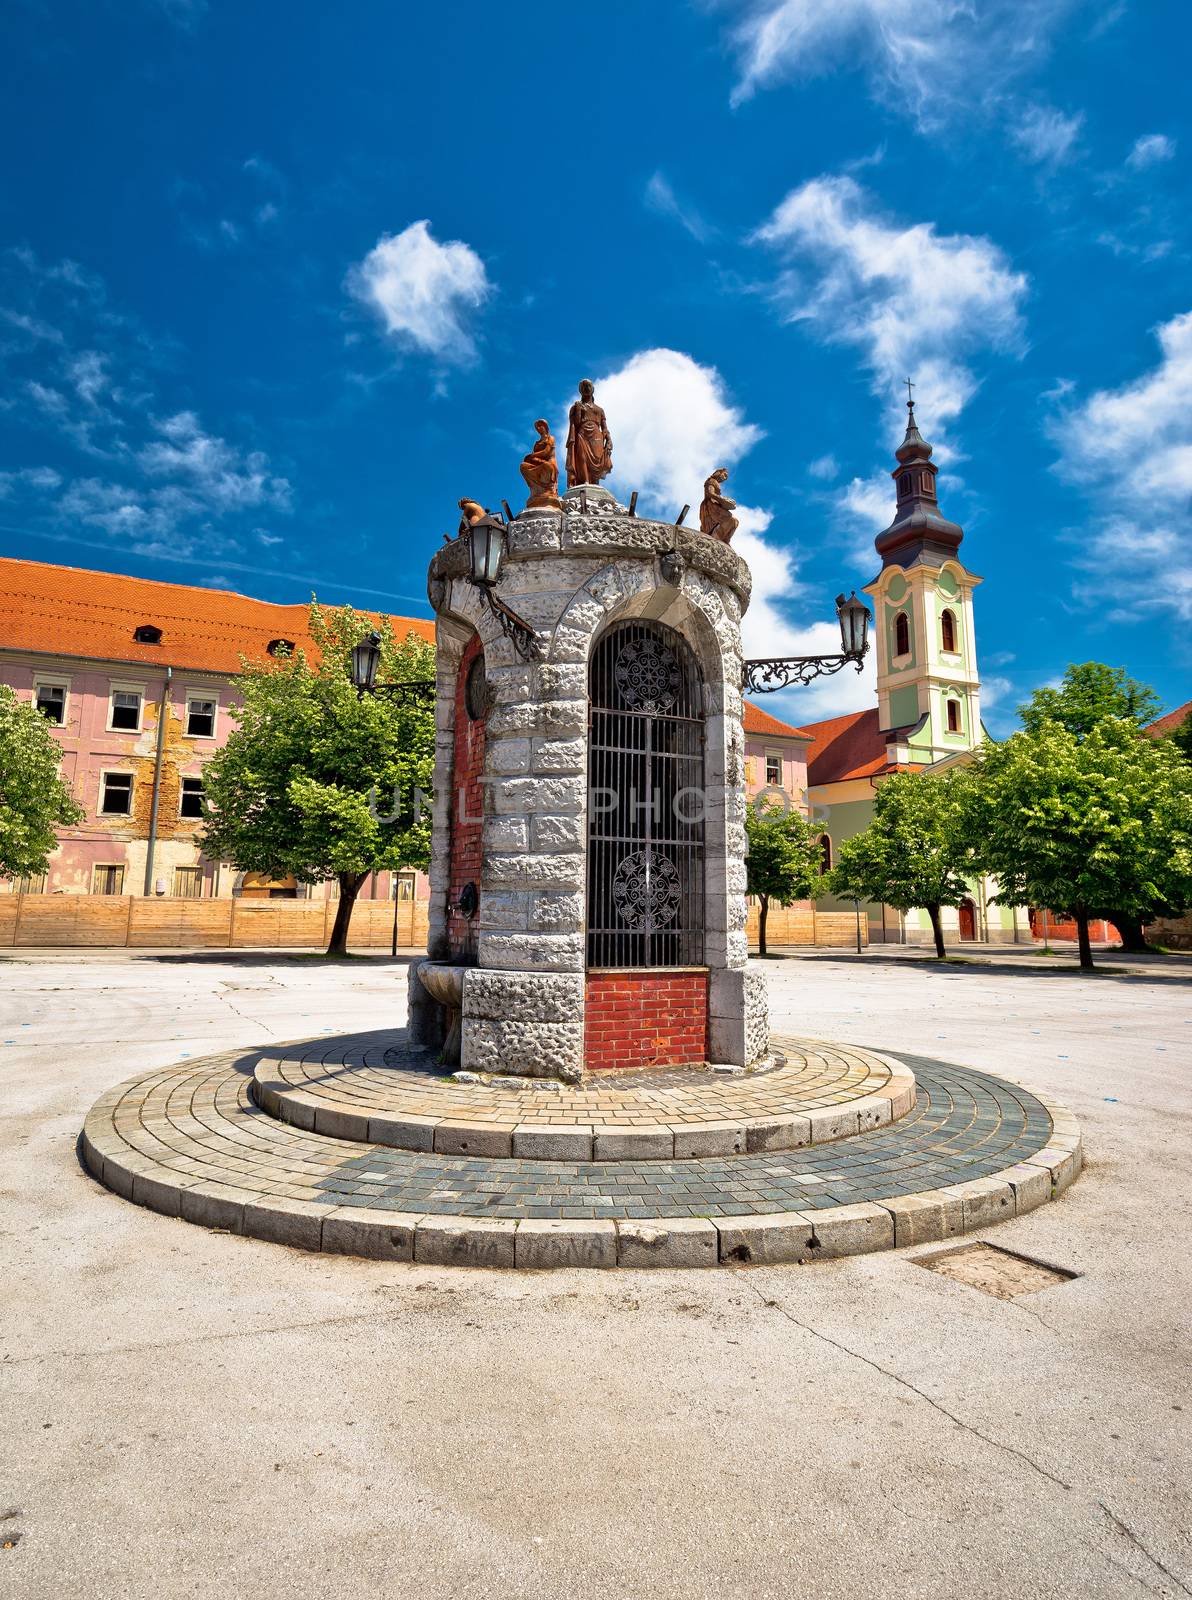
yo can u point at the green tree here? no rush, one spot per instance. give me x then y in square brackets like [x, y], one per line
[34, 799]
[1181, 737]
[307, 780]
[913, 853]
[1088, 694]
[784, 860]
[1079, 823]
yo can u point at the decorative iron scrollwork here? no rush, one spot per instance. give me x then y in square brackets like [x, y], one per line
[516, 630]
[780, 672]
[647, 675]
[646, 891]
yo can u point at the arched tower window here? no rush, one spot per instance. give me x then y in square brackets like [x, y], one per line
[953, 711]
[902, 634]
[948, 630]
[645, 800]
[825, 843]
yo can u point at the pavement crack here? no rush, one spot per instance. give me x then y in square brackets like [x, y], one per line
[1124, 1527]
[905, 1383]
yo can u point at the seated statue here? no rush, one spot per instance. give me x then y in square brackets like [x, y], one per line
[716, 511]
[472, 513]
[540, 469]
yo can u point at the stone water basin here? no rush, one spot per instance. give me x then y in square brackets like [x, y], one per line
[444, 982]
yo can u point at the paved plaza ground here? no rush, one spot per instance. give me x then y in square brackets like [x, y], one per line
[194, 1414]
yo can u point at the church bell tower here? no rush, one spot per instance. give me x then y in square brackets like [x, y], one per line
[929, 690]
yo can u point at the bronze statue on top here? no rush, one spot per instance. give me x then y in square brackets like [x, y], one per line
[589, 443]
[716, 511]
[540, 469]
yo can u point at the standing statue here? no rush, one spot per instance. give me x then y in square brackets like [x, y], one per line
[540, 469]
[716, 511]
[472, 513]
[589, 443]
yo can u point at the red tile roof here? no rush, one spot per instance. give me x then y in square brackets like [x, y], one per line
[1173, 720]
[68, 611]
[852, 746]
[760, 722]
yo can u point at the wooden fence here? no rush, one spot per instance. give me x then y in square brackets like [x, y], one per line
[806, 925]
[79, 919]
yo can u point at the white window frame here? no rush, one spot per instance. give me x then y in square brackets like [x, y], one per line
[116, 772]
[190, 777]
[954, 700]
[108, 866]
[208, 697]
[114, 689]
[774, 755]
[403, 876]
[51, 680]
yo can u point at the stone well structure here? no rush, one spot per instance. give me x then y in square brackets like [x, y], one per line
[588, 862]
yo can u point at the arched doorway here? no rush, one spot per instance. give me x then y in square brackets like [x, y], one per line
[645, 800]
[968, 921]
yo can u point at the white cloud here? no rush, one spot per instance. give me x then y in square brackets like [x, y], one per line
[660, 197]
[823, 467]
[1149, 151]
[1046, 135]
[1132, 447]
[223, 477]
[909, 299]
[865, 508]
[928, 59]
[424, 292]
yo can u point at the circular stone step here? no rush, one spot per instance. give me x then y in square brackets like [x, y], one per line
[376, 1090]
[190, 1142]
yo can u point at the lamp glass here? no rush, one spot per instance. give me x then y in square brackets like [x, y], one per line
[854, 624]
[366, 657]
[488, 548]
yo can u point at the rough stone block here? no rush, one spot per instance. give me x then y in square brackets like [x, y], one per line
[527, 996]
[379, 1235]
[1062, 1164]
[872, 1112]
[473, 1139]
[784, 1237]
[563, 796]
[335, 1123]
[560, 1242]
[560, 755]
[538, 952]
[1031, 1186]
[294, 1222]
[555, 913]
[464, 1242]
[782, 1133]
[534, 871]
[851, 1230]
[507, 755]
[403, 1133]
[215, 1205]
[832, 1122]
[556, 833]
[506, 833]
[923, 1218]
[669, 1242]
[985, 1200]
[696, 1139]
[533, 1142]
[614, 1143]
[159, 1192]
[529, 1048]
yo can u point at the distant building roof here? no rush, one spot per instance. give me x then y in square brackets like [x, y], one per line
[68, 611]
[1173, 720]
[852, 746]
[760, 723]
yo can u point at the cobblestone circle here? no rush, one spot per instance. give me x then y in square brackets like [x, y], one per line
[372, 1088]
[190, 1141]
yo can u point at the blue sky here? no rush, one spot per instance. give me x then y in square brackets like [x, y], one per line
[280, 282]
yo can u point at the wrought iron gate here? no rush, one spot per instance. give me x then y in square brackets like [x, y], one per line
[645, 800]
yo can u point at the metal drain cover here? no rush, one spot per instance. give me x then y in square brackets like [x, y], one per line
[1000, 1273]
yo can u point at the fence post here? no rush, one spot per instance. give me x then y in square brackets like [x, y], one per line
[16, 927]
[128, 921]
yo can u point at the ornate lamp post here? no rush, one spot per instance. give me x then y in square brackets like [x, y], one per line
[486, 538]
[770, 673]
[366, 657]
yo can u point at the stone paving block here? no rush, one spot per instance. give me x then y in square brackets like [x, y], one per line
[464, 1242]
[282, 1221]
[872, 1112]
[337, 1122]
[832, 1123]
[533, 1142]
[782, 1133]
[473, 1139]
[765, 1240]
[852, 1230]
[378, 1235]
[1031, 1185]
[611, 1143]
[565, 1243]
[985, 1200]
[700, 1139]
[924, 1218]
[403, 1133]
[215, 1205]
[673, 1242]
[159, 1191]
[1062, 1163]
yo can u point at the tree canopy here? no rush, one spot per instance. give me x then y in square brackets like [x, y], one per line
[1089, 693]
[306, 783]
[1078, 822]
[913, 852]
[784, 861]
[34, 798]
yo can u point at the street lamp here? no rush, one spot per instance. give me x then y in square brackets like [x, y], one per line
[766, 675]
[854, 626]
[366, 657]
[487, 542]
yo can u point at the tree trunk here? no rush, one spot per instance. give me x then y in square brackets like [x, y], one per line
[763, 910]
[1082, 934]
[938, 930]
[349, 888]
[1129, 924]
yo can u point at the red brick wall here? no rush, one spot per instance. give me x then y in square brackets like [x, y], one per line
[467, 811]
[645, 1019]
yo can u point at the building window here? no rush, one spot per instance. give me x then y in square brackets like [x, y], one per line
[190, 800]
[905, 483]
[948, 631]
[200, 718]
[147, 633]
[50, 699]
[107, 880]
[280, 647]
[188, 883]
[124, 713]
[902, 634]
[773, 770]
[825, 853]
[115, 795]
[953, 716]
[403, 886]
